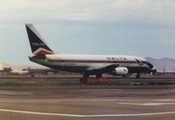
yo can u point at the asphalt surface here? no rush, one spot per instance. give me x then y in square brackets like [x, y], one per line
[88, 102]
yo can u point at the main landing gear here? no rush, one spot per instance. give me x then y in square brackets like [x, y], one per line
[84, 79]
[85, 75]
[98, 75]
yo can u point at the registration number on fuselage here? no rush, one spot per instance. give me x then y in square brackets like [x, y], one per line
[69, 64]
[116, 58]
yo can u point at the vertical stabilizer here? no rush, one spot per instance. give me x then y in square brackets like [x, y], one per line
[37, 43]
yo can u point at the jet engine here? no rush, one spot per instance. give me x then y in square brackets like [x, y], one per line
[121, 71]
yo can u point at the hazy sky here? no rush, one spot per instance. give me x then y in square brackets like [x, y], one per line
[122, 27]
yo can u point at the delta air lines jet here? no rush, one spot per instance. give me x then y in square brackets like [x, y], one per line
[85, 64]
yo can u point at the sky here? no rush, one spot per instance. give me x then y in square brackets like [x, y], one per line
[144, 28]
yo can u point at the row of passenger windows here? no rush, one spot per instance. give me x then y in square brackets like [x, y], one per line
[78, 61]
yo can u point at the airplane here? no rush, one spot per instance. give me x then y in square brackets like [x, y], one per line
[122, 65]
[19, 72]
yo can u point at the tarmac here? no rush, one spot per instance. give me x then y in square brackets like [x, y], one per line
[88, 102]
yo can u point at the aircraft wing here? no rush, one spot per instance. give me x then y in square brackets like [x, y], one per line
[105, 69]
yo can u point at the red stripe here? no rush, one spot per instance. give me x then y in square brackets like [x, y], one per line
[43, 52]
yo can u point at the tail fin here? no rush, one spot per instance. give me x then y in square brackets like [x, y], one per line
[37, 43]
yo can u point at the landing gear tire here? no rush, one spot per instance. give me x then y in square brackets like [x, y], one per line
[137, 76]
[81, 80]
[32, 75]
[98, 75]
[124, 76]
[85, 76]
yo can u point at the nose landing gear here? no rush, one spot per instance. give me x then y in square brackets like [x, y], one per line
[138, 75]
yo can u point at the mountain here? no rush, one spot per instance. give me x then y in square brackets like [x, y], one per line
[162, 64]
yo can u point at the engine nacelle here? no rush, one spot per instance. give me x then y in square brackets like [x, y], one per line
[121, 71]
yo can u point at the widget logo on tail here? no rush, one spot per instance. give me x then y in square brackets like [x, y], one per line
[37, 43]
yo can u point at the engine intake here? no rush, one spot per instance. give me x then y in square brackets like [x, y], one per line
[121, 71]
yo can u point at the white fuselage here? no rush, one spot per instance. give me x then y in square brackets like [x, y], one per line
[80, 63]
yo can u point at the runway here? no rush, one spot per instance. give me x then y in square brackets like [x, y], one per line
[88, 102]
